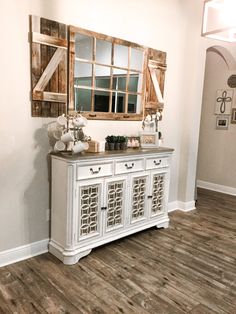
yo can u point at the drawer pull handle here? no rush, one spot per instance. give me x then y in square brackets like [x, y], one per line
[149, 196]
[129, 167]
[157, 163]
[103, 208]
[95, 171]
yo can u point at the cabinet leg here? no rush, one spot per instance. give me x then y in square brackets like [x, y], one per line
[71, 260]
[163, 225]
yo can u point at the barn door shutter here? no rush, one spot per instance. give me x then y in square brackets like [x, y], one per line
[155, 78]
[49, 47]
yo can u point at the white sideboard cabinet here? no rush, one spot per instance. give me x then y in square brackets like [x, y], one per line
[98, 198]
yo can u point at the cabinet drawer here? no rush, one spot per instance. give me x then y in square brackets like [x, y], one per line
[90, 171]
[129, 166]
[158, 162]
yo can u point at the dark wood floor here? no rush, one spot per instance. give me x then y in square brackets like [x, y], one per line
[188, 268]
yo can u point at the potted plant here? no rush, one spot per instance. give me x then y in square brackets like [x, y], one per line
[123, 142]
[117, 142]
[110, 139]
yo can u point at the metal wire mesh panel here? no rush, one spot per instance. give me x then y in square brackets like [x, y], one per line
[157, 194]
[138, 197]
[89, 203]
[115, 204]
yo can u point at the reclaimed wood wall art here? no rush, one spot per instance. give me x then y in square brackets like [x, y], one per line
[49, 43]
[155, 79]
[52, 73]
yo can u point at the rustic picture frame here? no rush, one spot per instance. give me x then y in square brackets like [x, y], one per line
[149, 139]
[233, 116]
[222, 123]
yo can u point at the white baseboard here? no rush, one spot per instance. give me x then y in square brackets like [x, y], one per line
[216, 187]
[23, 252]
[183, 206]
[33, 249]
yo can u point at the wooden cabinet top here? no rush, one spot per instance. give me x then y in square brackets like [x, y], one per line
[111, 154]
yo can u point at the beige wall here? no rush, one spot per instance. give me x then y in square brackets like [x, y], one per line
[217, 149]
[170, 25]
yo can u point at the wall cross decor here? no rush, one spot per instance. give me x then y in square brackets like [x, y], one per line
[223, 101]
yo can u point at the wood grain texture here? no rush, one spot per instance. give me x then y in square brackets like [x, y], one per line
[156, 64]
[48, 67]
[188, 268]
[49, 40]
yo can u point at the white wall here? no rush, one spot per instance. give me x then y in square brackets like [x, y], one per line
[171, 25]
[217, 149]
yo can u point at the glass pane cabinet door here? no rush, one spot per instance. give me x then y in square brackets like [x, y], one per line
[115, 204]
[158, 193]
[139, 198]
[89, 211]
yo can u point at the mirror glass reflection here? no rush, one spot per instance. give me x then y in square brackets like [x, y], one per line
[103, 51]
[83, 74]
[121, 56]
[119, 79]
[83, 99]
[101, 101]
[83, 46]
[118, 102]
[108, 75]
[136, 59]
[102, 76]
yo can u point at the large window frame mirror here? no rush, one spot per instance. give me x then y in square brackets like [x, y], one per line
[73, 69]
[106, 76]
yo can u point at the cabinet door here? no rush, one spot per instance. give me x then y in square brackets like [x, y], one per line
[157, 194]
[114, 201]
[89, 209]
[138, 197]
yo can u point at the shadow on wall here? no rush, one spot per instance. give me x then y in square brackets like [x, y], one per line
[37, 196]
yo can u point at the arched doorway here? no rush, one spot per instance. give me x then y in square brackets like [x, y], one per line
[216, 168]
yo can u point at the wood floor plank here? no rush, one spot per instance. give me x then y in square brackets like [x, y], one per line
[63, 279]
[189, 267]
[155, 304]
[202, 309]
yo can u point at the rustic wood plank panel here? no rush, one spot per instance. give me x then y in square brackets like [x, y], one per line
[155, 79]
[188, 268]
[49, 40]
[45, 58]
[48, 73]
[54, 79]
[36, 108]
[62, 70]
[156, 85]
[47, 96]
[71, 68]
[52, 66]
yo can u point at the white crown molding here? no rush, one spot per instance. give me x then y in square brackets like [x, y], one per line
[23, 252]
[216, 187]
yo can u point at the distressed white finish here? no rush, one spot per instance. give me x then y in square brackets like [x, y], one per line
[92, 210]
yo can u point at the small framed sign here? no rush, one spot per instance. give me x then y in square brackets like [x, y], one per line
[222, 123]
[233, 116]
[149, 139]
